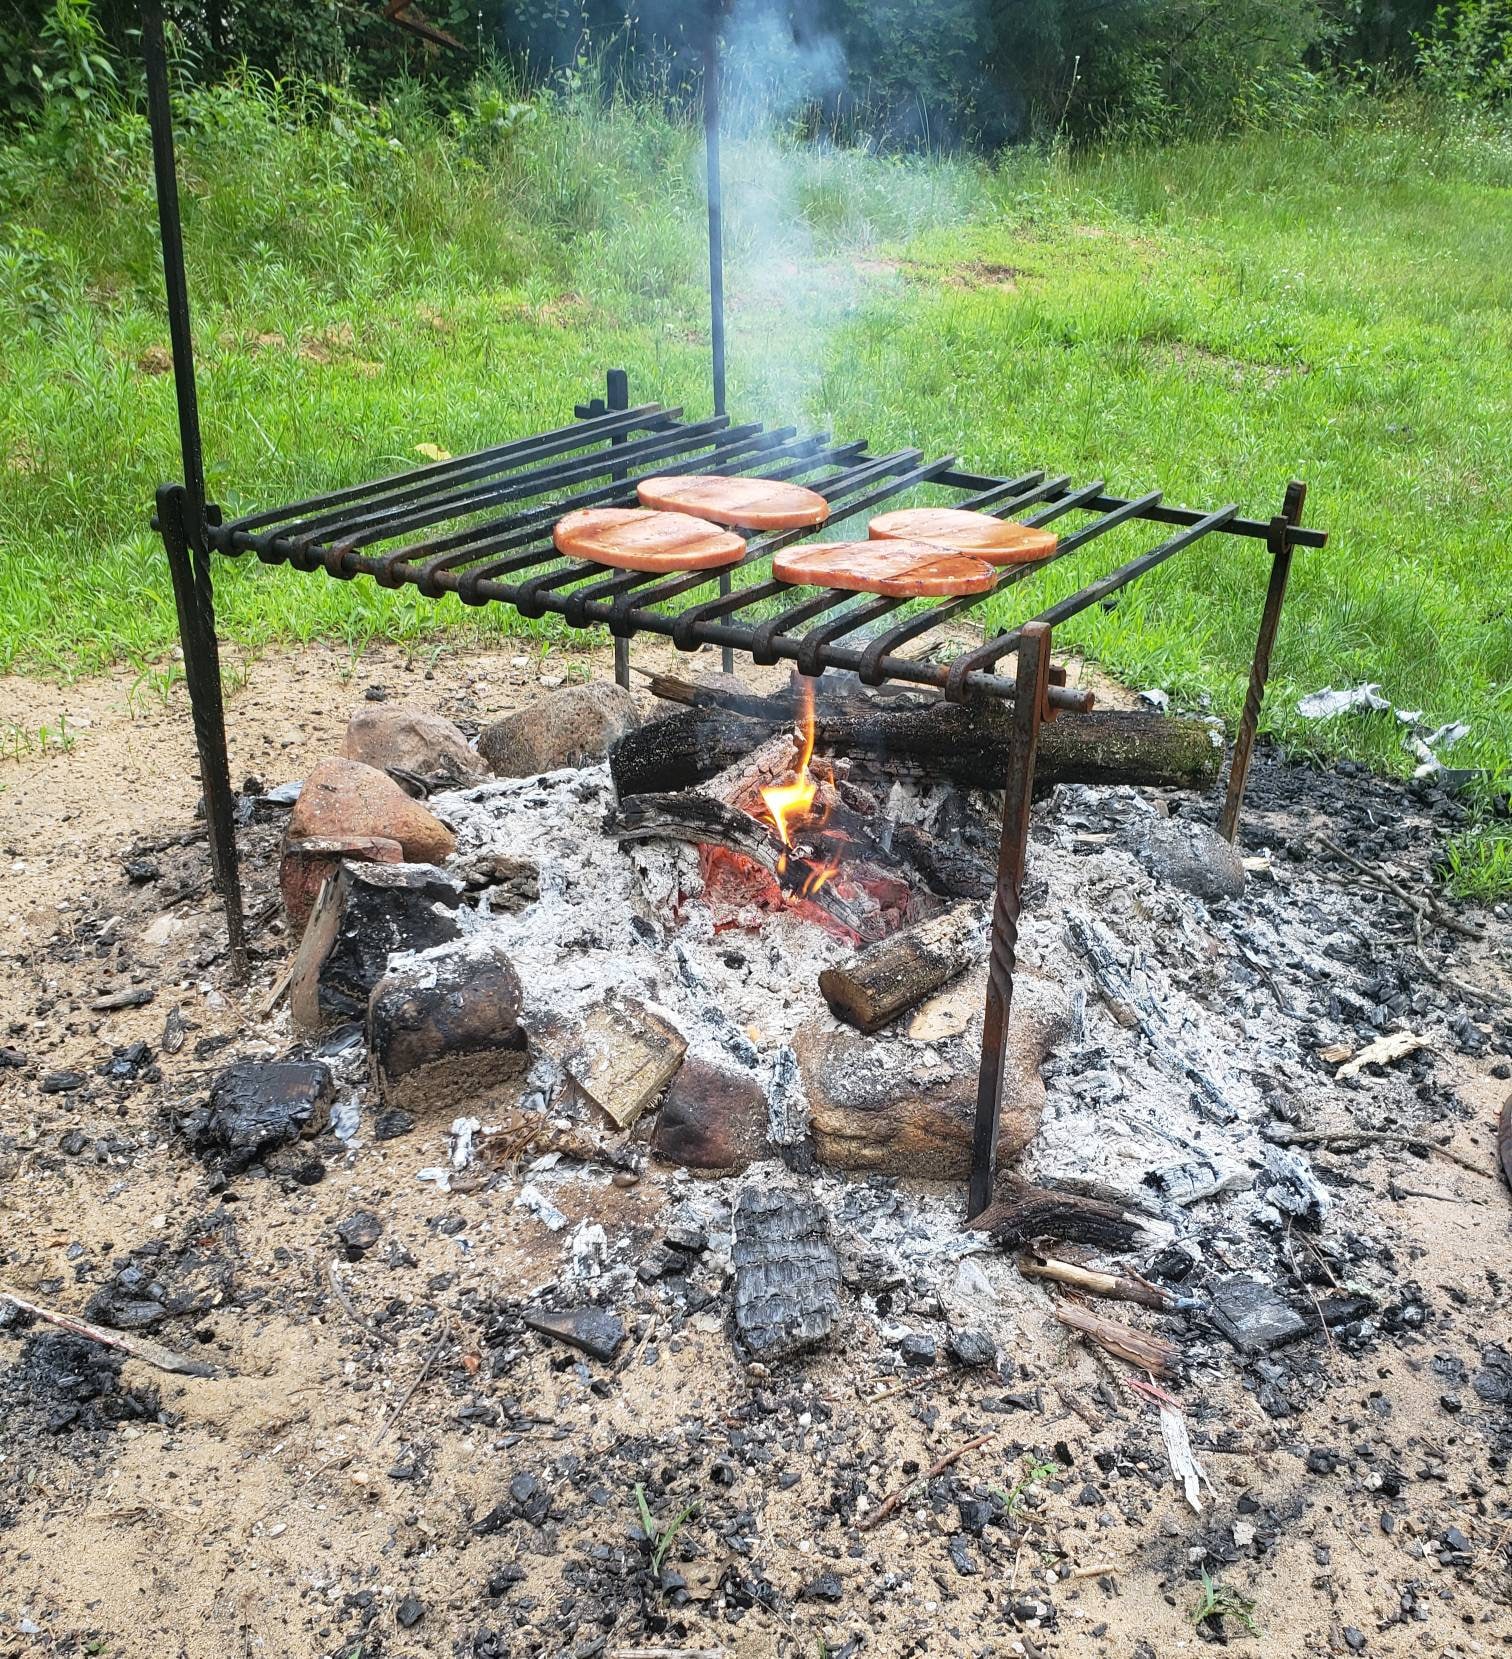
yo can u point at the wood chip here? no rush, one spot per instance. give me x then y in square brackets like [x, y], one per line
[1382, 1052]
[627, 1058]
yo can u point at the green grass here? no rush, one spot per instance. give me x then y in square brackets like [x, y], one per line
[1214, 318]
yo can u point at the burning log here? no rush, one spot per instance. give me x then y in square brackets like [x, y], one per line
[967, 746]
[702, 821]
[890, 977]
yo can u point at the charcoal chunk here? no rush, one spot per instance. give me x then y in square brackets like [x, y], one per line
[596, 1331]
[258, 1105]
[787, 1276]
[1253, 1317]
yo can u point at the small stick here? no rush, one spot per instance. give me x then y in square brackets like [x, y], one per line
[1134, 1347]
[890, 1504]
[413, 1389]
[1429, 909]
[669, 1652]
[137, 1347]
[1284, 1136]
[1118, 1287]
[349, 1308]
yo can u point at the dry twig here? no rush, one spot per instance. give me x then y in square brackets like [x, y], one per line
[891, 1502]
[136, 1347]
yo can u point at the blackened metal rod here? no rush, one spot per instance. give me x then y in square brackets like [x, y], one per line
[175, 281]
[711, 90]
[192, 596]
[619, 398]
[1031, 686]
[1282, 527]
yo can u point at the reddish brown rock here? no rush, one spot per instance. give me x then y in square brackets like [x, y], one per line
[445, 1027]
[305, 865]
[412, 740]
[907, 1107]
[711, 1120]
[344, 798]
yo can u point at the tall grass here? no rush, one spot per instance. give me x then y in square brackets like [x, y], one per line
[1214, 316]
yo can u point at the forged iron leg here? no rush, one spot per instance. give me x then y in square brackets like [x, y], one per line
[619, 398]
[1030, 693]
[195, 602]
[1270, 619]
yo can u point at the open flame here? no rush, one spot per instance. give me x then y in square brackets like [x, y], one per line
[791, 805]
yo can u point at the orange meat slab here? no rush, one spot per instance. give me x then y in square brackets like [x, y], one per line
[898, 569]
[748, 503]
[633, 538]
[1000, 541]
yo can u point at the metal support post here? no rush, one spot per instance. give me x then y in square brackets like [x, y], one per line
[1030, 699]
[1270, 618]
[716, 251]
[193, 597]
[182, 512]
[619, 398]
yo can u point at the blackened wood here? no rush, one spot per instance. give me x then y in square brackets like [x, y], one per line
[890, 977]
[967, 746]
[787, 1275]
[1020, 1213]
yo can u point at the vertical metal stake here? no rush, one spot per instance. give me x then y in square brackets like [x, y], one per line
[194, 600]
[619, 398]
[181, 508]
[1029, 700]
[1270, 619]
[716, 251]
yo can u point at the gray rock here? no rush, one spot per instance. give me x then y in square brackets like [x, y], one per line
[406, 739]
[1253, 1317]
[595, 1331]
[787, 1276]
[571, 727]
[1193, 857]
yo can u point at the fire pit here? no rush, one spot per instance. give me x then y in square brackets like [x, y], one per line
[479, 527]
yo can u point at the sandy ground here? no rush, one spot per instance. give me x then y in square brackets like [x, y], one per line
[344, 1455]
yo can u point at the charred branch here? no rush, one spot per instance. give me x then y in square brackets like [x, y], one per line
[888, 978]
[1021, 1213]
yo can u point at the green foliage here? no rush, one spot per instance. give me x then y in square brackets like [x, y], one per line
[1466, 56]
[1219, 1601]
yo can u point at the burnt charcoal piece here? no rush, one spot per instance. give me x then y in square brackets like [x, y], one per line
[1493, 1382]
[1253, 1317]
[787, 1276]
[364, 913]
[972, 1348]
[596, 1331]
[257, 1105]
[359, 1232]
[444, 1027]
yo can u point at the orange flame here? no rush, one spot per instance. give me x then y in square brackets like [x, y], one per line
[789, 803]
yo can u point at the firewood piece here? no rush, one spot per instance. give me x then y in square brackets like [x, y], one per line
[770, 762]
[888, 978]
[625, 1059]
[1135, 1347]
[1117, 1287]
[967, 746]
[1020, 1213]
[363, 913]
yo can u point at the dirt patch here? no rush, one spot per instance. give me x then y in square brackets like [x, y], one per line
[1200, 363]
[391, 1465]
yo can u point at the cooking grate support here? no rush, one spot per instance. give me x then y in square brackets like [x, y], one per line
[479, 526]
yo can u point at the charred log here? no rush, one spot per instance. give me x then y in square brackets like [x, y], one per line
[967, 746]
[890, 977]
[1021, 1213]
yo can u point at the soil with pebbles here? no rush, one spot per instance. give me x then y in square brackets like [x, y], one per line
[390, 1462]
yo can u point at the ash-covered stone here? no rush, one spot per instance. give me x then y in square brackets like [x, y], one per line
[787, 1276]
[1193, 857]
